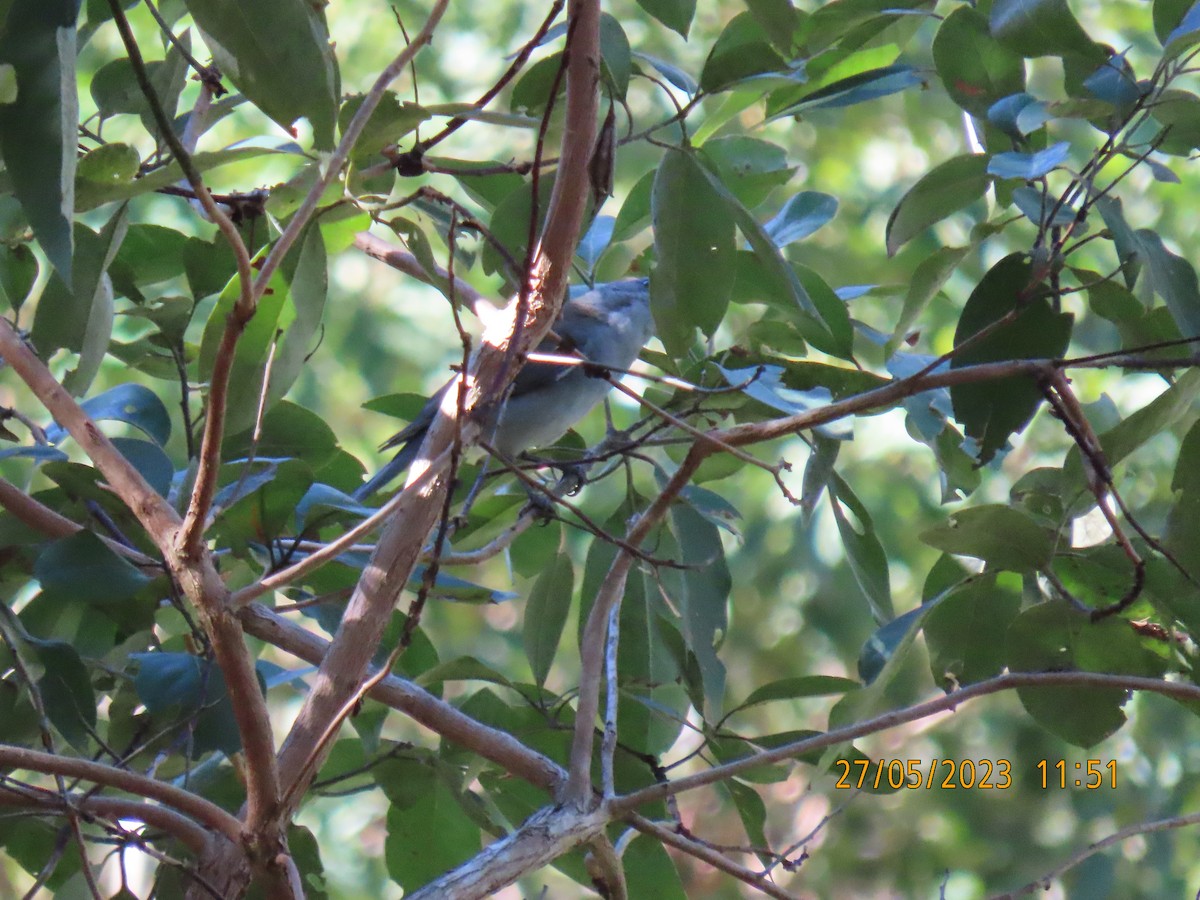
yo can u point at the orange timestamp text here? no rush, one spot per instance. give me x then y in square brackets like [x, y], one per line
[924, 774]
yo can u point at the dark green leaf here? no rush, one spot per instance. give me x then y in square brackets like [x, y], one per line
[675, 14]
[83, 567]
[1127, 244]
[531, 94]
[150, 461]
[778, 20]
[748, 167]
[37, 129]
[80, 317]
[634, 215]
[694, 238]
[391, 120]
[975, 68]
[742, 51]
[132, 404]
[798, 688]
[1003, 537]
[1174, 279]
[992, 411]
[614, 53]
[428, 807]
[860, 88]
[66, 690]
[864, 552]
[1182, 537]
[546, 614]
[650, 871]
[700, 593]
[1053, 637]
[927, 279]
[965, 632]
[885, 647]
[951, 186]
[277, 53]
[18, 272]
[1042, 28]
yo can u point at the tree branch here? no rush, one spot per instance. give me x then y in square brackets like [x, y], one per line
[1006, 682]
[191, 805]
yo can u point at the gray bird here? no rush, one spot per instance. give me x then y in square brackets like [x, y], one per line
[608, 326]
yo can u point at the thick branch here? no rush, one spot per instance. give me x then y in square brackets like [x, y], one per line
[400, 545]
[543, 838]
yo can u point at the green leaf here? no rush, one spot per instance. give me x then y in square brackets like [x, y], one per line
[8, 83]
[1174, 279]
[546, 614]
[250, 357]
[66, 689]
[931, 274]
[1003, 537]
[748, 167]
[700, 593]
[1135, 430]
[615, 54]
[132, 404]
[1042, 28]
[975, 68]
[778, 20]
[38, 128]
[864, 552]
[798, 688]
[675, 14]
[823, 322]
[80, 317]
[18, 272]
[179, 684]
[951, 186]
[391, 120]
[277, 53]
[860, 88]
[83, 567]
[650, 870]
[990, 412]
[741, 51]
[426, 807]
[1126, 242]
[883, 656]
[90, 194]
[1168, 14]
[1182, 536]
[634, 215]
[694, 239]
[306, 272]
[150, 461]
[1053, 637]
[965, 631]
[531, 94]
[112, 165]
